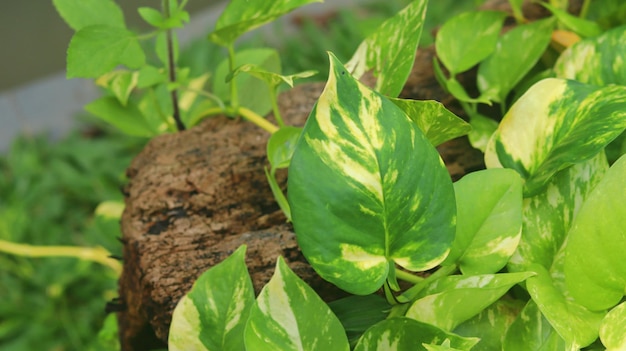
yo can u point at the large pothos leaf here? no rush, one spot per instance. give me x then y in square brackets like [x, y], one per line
[547, 216]
[241, 16]
[612, 328]
[213, 314]
[597, 61]
[489, 220]
[366, 189]
[289, 316]
[434, 119]
[390, 50]
[595, 269]
[405, 334]
[531, 331]
[555, 124]
[452, 300]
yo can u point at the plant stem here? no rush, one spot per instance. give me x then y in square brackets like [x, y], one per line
[234, 99]
[415, 290]
[95, 254]
[256, 119]
[172, 68]
[277, 115]
[584, 9]
[408, 277]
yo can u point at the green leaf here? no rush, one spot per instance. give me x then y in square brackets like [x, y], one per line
[120, 82]
[612, 328]
[128, 119]
[288, 315]
[574, 323]
[150, 76]
[272, 79]
[97, 49]
[597, 61]
[281, 145]
[555, 124]
[531, 331]
[79, 14]
[253, 93]
[491, 324]
[390, 50]
[155, 18]
[241, 16]
[359, 313]
[482, 128]
[405, 334]
[366, 188]
[579, 25]
[595, 269]
[434, 119]
[451, 301]
[455, 88]
[489, 220]
[213, 314]
[547, 216]
[516, 53]
[466, 39]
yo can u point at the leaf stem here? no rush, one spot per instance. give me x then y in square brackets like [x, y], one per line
[234, 99]
[277, 115]
[413, 292]
[256, 119]
[94, 254]
[171, 68]
[408, 277]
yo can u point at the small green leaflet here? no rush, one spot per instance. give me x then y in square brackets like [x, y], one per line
[482, 128]
[531, 331]
[555, 124]
[405, 334]
[390, 50]
[289, 316]
[212, 316]
[489, 220]
[120, 82]
[79, 14]
[595, 269]
[612, 328]
[241, 16]
[280, 148]
[366, 189]
[129, 119]
[581, 26]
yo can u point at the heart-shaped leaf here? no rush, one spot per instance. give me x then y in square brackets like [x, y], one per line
[366, 189]
[213, 314]
[595, 269]
[288, 315]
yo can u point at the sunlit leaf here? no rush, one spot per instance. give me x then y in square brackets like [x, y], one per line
[272, 79]
[120, 82]
[288, 315]
[612, 328]
[366, 188]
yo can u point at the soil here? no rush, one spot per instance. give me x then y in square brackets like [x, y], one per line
[194, 197]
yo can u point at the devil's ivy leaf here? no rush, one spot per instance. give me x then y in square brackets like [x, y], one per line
[241, 16]
[466, 39]
[531, 331]
[359, 313]
[405, 334]
[482, 128]
[516, 53]
[555, 124]
[390, 50]
[128, 119]
[595, 269]
[213, 314]
[489, 220]
[452, 300]
[97, 49]
[79, 14]
[178, 17]
[281, 145]
[366, 188]
[434, 119]
[120, 82]
[581, 26]
[272, 79]
[288, 315]
[612, 328]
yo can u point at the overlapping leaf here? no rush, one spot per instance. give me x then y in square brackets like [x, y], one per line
[366, 188]
[612, 328]
[531, 331]
[555, 124]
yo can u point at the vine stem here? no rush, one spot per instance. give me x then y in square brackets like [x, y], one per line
[172, 69]
[94, 254]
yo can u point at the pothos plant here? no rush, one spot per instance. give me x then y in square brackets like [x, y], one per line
[525, 255]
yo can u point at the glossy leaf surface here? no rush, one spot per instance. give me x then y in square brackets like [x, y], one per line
[612, 328]
[595, 269]
[390, 50]
[288, 315]
[452, 300]
[531, 331]
[555, 124]
[489, 220]
[212, 316]
[405, 334]
[366, 188]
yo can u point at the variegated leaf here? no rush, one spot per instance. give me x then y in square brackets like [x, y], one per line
[595, 269]
[212, 316]
[548, 215]
[289, 316]
[555, 124]
[390, 50]
[405, 334]
[612, 329]
[531, 331]
[241, 16]
[489, 220]
[575, 324]
[599, 61]
[434, 119]
[366, 189]
[452, 300]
